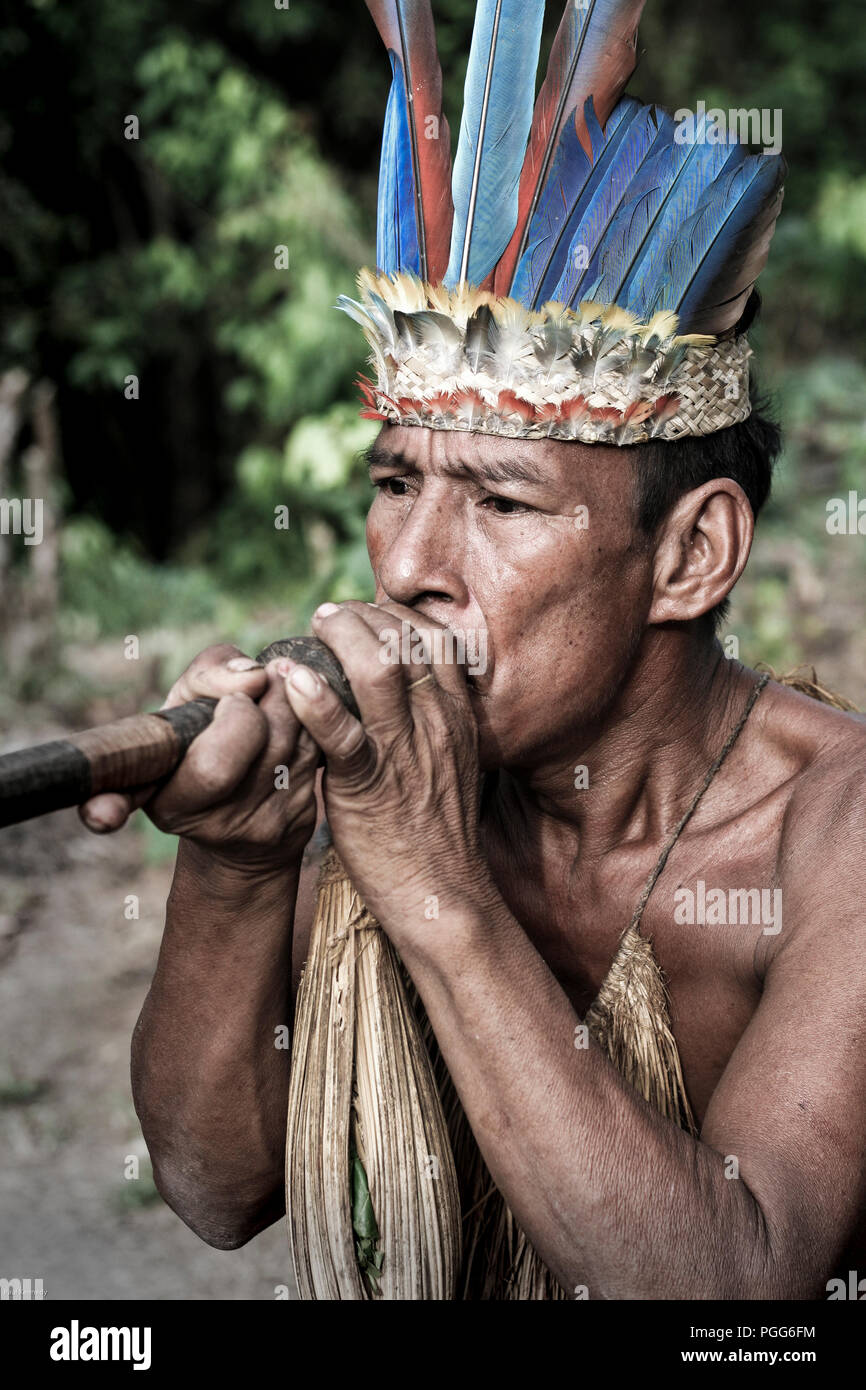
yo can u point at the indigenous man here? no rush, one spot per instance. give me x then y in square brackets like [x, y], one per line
[608, 770]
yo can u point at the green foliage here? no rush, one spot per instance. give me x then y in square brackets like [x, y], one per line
[259, 128]
[779, 608]
[157, 846]
[16, 1090]
[319, 477]
[109, 588]
[822, 404]
[234, 178]
[370, 1259]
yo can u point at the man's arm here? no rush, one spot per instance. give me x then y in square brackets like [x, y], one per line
[210, 1056]
[209, 1079]
[611, 1194]
[210, 1061]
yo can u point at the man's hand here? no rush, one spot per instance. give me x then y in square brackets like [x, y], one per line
[245, 791]
[402, 786]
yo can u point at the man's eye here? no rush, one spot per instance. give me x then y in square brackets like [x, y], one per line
[394, 487]
[504, 506]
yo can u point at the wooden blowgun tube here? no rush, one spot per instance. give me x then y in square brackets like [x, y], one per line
[131, 752]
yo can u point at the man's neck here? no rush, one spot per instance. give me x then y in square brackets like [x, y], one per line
[630, 773]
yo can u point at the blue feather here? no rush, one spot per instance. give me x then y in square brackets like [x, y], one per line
[660, 269]
[693, 175]
[667, 188]
[607, 186]
[616, 186]
[551, 228]
[397, 220]
[721, 249]
[497, 115]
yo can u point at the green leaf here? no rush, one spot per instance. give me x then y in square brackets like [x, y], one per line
[370, 1259]
[363, 1217]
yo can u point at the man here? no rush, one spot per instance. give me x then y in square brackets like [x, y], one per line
[600, 656]
[596, 558]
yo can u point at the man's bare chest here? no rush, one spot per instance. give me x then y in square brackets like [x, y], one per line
[713, 919]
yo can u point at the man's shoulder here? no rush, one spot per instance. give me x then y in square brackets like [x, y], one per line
[822, 850]
[828, 750]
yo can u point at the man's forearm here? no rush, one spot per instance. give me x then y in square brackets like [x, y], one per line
[210, 1065]
[611, 1194]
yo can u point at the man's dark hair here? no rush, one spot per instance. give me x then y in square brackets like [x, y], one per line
[666, 470]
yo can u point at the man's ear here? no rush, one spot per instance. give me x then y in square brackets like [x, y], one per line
[701, 551]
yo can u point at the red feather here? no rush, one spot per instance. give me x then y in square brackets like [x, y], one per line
[468, 398]
[574, 409]
[667, 406]
[637, 412]
[369, 396]
[510, 404]
[407, 406]
[572, 412]
[548, 414]
[633, 415]
[665, 409]
[406, 28]
[599, 66]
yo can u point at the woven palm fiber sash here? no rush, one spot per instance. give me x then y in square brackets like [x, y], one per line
[367, 1079]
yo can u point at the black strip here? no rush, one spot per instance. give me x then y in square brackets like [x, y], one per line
[37, 780]
[189, 720]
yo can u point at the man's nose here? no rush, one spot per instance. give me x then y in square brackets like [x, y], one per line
[426, 555]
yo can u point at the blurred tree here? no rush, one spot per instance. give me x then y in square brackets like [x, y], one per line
[259, 127]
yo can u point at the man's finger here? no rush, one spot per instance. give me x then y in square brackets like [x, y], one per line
[437, 648]
[110, 811]
[217, 761]
[221, 670]
[283, 724]
[338, 733]
[379, 676]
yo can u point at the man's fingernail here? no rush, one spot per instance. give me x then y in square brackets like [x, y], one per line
[284, 667]
[325, 610]
[243, 663]
[306, 682]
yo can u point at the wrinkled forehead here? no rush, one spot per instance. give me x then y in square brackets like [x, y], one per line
[571, 469]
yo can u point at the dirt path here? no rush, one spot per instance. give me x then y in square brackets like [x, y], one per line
[73, 974]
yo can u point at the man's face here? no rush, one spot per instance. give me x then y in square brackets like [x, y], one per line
[532, 541]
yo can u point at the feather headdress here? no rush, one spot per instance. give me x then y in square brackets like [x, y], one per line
[582, 272]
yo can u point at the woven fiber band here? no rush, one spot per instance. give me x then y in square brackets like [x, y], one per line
[468, 360]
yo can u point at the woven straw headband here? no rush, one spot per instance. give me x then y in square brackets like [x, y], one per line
[469, 361]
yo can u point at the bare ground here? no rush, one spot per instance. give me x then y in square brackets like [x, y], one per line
[73, 974]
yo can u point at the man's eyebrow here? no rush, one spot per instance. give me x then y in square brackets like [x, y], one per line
[502, 471]
[374, 456]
